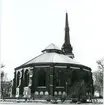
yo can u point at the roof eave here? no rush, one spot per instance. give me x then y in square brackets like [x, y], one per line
[52, 64]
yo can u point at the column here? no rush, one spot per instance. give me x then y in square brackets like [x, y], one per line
[21, 82]
[14, 85]
[17, 88]
[30, 76]
[27, 88]
[30, 80]
[51, 81]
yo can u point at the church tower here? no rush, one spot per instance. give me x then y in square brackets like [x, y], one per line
[67, 48]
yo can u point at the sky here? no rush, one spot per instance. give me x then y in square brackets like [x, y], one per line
[29, 26]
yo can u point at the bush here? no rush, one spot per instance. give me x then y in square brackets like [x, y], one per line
[63, 98]
[48, 98]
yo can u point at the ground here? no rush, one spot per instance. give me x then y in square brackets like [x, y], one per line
[45, 103]
[41, 104]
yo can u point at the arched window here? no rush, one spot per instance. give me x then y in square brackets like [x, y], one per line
[26, 78]
[42, 78]
[18, 77]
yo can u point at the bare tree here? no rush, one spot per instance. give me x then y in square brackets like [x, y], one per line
[98, 75]
[2, 74]
[2, 66]
[5, 85]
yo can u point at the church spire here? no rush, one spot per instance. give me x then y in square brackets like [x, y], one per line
[66, 24]
[67, 40]
[67, 48]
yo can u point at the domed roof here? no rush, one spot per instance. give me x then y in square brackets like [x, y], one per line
[52, 55]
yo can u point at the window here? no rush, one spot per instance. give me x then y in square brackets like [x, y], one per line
[59, 77]
[26, 78]
[41, 78]
[75, 76]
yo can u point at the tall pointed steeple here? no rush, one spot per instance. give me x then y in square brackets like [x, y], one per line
[67, 40]
[67, 48]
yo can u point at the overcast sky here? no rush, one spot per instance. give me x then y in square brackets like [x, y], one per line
[29, 26]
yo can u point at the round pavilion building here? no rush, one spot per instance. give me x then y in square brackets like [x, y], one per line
[53, 73]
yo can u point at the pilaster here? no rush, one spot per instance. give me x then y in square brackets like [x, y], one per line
[51, 80]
